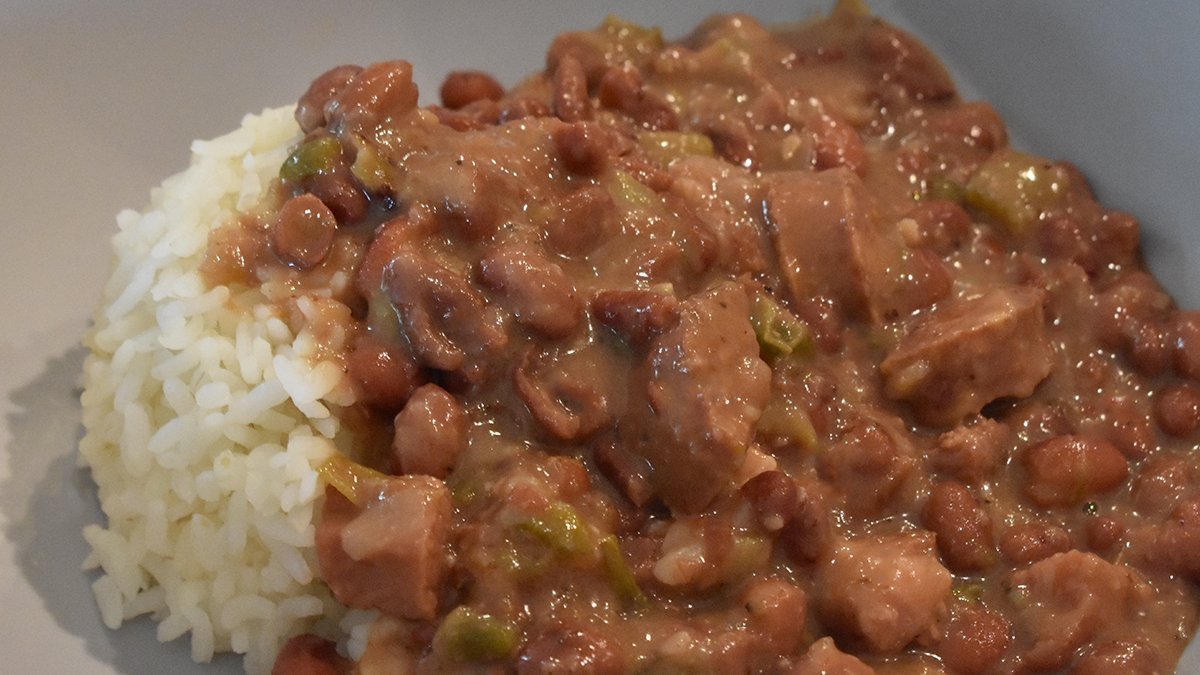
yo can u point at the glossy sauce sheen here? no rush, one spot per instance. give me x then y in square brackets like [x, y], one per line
[756, 352]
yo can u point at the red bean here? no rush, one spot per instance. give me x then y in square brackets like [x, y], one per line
[836, 144]
[582, 147]
[908, 63]
[1030, 542]
[975, 639]
[809, 535]
[971, 452]
[942, 225]
[302, 233]
[963, 529]
[868, 466]
[1103, 533]
[430, 433]
[585, 217]
[385, 373]
[636, 315]
[621, 89]
[310, 109]
[463, 87]
[1067, 469]
[378, 92]
[1161, 482]
[571, 101]
[1177, 409]
[309, 654]
[1186, 343]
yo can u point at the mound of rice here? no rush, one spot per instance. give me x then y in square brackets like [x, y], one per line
[205, 418]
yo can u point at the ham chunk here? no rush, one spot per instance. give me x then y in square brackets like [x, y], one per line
[1070, 599]
[824, 228]
[968, 353]
[887, 590]
[707, 389]
[390, 554]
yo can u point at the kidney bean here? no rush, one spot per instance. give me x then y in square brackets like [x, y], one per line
[907, 63]
[963, 529]
[310, 109]
[1103, 533]
[585, 217]
[385, 373]
[836, 143]
[302, 232]
[975, 639]
[621, 89]
[463, 87]
[583, 148]
[773, 496]
[1185, 331]
[430, 433]
[340, 191]
[376, 93]
[1026, 543]
[522, 107]
[733, 142]
[1177, 409]
[570, 99]
[1066, 469]
[808, 537]
[636, 315]
[309, 654]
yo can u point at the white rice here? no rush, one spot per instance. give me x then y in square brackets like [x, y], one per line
[205, 418]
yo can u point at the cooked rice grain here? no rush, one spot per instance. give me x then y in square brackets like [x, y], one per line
[205, 418]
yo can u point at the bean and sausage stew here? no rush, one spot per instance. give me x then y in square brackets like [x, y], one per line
[761, 351]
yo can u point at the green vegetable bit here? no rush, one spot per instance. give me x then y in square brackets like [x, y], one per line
[468, 637]
[667, 146]
[620, 577]
[312, 158]
[779, 332]
[967, 592]
[560, 528]
[1016, 188]
[784, 419]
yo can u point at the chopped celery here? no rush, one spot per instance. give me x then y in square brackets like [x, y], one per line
[784, 419]
[312, 158]
[779, 332]
[747, 555]
[1016, 188]
[940, 187]
[668, 146]
[967, 592]
[627, 191]
[620, 577]
[468, 637]
[627, 39]
[356, 482]
[560, 528]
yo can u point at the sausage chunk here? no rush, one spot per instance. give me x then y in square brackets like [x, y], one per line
[886, 590]
[535, 289]
[388, 554]
[968, 353]
[707, 389]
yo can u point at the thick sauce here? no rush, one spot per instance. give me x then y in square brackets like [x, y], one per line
[757, 352]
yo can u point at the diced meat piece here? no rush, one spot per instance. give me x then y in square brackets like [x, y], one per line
[728, 204]
[828, 244]
[777, 611]
[636, 315]
[1065, 470]
[968, 353]
[962, 527]
[972, 452]
[707, 389]
[824, 658]
[586, 217]
[1177, 409]
[868, 464]
[577, 649]
[887, 590]
[627, 471]
[569, 392]
[1176, 544]
[534, 289]
[773, 496]
[975, 639]
[390, 554]
[430, 433]
[309, 654]
[448, 323]
[1067, 599]
[938, 225]
[1162, 482]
